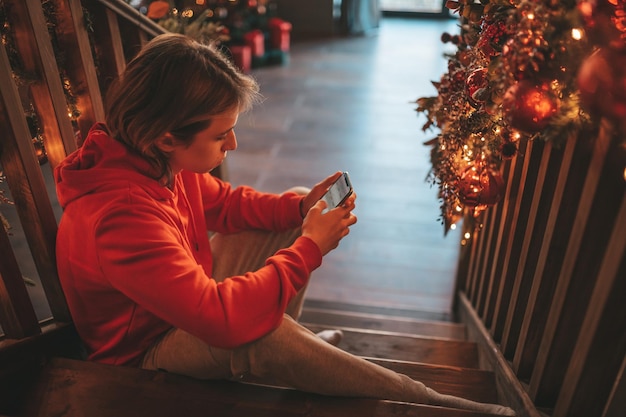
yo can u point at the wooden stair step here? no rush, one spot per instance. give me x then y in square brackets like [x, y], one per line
[407, 347]
[379, 310]
[71, 388]
[370, 321]
[473, 384]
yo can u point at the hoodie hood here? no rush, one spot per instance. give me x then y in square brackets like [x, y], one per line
[104, 164]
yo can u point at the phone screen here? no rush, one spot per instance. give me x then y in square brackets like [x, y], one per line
[338, 192]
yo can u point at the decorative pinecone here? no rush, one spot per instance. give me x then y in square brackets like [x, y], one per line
[478, 121]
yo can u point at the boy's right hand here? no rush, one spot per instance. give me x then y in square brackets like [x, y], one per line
[327, 229]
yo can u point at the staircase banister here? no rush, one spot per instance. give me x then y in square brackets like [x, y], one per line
[131, 14]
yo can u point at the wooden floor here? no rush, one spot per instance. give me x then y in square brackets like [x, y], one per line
[346, 104]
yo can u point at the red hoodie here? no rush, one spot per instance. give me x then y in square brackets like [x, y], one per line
[134, 258]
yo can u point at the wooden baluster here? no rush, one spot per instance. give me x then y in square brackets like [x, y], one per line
[46, 91]
[601, 344]
[17, 315]
[28, 190]
[588, 240]
[506, 234]
[521, 281]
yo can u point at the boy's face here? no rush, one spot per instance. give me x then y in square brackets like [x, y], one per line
[208, 148]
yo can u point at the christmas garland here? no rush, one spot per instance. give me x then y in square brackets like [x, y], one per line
[522, 70]
[23, 78]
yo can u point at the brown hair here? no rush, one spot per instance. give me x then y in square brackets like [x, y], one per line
[171, 82]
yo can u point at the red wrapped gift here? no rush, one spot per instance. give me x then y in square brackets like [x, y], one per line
[279, 33]
[242, 56]
[256, 41]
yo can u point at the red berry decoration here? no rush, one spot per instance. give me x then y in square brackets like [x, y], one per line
[529, 107]
[508, 150]
[480, 186]
[602, 84]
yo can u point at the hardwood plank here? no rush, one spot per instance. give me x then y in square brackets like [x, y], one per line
[383, 322]
[474, 384]
[383, 310]
[76, 388]
[400, 346]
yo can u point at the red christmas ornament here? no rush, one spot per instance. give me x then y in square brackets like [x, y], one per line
[480, 186]
[602, 84]
[529, 107]
[476, 84]
[158, 9]
[605, 21]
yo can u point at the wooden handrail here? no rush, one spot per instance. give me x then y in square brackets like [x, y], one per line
[124, 10]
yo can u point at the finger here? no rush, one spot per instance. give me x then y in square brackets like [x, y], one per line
[330, 180]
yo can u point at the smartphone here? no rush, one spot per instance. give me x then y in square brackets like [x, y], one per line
[338, 192]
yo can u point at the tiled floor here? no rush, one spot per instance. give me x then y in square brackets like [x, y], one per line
[346, 104]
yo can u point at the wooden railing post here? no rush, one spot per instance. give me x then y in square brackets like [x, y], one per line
[46, 91]
[28, 190]
[17, 315]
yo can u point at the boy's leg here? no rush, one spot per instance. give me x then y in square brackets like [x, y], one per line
[238, 253]
[293, 356]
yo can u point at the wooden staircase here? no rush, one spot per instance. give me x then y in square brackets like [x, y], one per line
[434, 352]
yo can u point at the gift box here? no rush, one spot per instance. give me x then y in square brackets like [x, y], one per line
[242, 56]
[280, 32]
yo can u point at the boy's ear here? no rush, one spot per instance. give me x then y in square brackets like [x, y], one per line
[166, 143]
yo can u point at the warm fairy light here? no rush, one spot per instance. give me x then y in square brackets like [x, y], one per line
[187, 13]
[467, 235]
[530, 16]
[452, 226]
[459, 208]
[200, 2]
[577, 34]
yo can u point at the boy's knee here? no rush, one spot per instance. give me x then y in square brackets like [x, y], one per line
[300, 190]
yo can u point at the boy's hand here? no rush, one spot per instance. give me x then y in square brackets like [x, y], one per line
[317, 192]
[327, 229]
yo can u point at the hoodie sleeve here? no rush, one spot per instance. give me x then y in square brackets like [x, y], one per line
[228, 209]
[146, 258]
